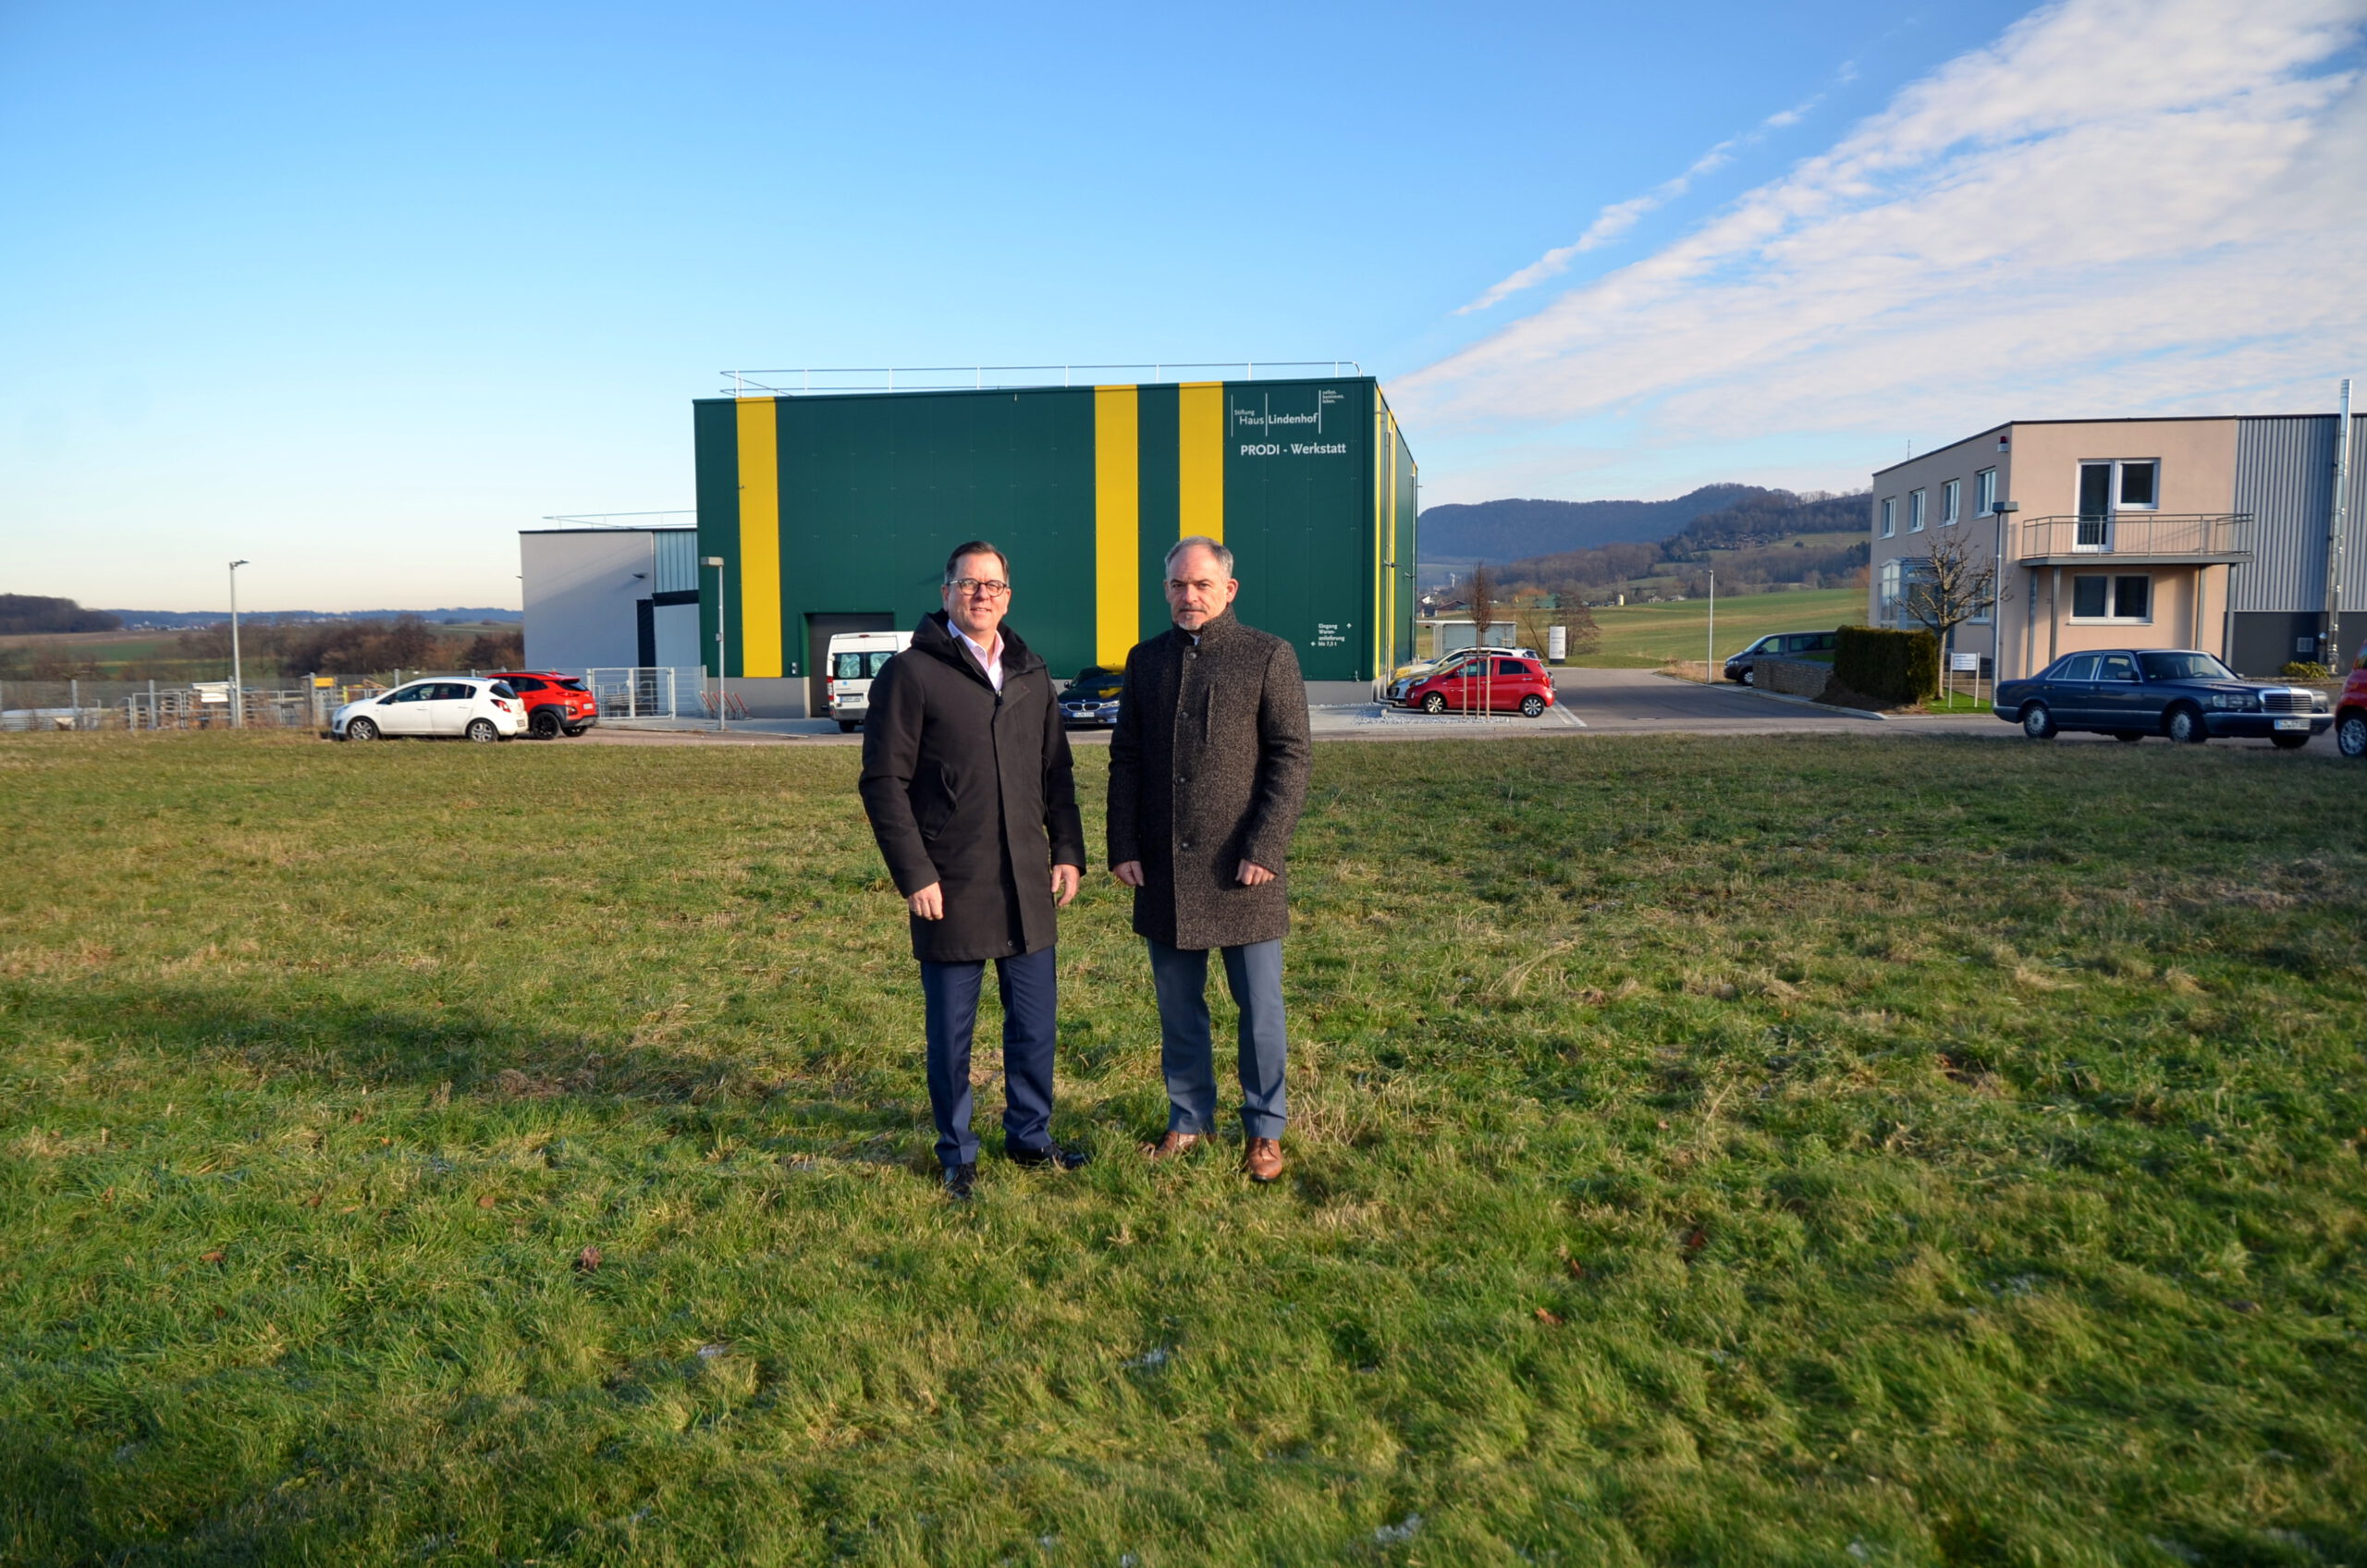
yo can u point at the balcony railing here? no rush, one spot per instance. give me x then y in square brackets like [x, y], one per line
[2164, 536]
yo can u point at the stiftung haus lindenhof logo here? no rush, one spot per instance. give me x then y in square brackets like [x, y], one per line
[1260, 430]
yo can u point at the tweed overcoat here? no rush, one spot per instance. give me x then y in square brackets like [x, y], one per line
[1208, 768]
[971, 789]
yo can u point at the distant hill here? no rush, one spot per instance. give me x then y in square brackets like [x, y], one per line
[175, 620]
[32, 614]
[1508, 531]
[1766, 537]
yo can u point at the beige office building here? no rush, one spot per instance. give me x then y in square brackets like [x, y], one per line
[2206, 533]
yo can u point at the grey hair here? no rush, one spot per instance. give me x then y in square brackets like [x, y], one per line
[1199, 542]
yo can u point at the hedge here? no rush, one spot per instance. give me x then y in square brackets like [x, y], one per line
[1895, 667]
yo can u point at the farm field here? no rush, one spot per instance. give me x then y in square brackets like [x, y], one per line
[1814, 1151]
[1643, 636]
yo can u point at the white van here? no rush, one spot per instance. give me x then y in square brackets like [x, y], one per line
[856, 657]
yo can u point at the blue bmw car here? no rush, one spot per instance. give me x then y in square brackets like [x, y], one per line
[2184, 694]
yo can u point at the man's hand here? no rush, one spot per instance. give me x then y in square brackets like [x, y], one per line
[929, 902]
[1064, 881]
[1130, 871]
[1252, 875]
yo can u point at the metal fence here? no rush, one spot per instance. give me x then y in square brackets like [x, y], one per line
[651, 691]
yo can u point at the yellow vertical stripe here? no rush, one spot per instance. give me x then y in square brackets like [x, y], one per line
[759, 538]
[1389, 551]
[1117, 524]
[1200, 435]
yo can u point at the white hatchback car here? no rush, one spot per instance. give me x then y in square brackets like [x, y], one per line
[447, 707]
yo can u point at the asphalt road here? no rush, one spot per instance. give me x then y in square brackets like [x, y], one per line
[1592, 702]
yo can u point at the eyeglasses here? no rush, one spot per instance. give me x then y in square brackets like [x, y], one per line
[986, 585]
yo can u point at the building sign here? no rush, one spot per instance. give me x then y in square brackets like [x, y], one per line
[1295, 430]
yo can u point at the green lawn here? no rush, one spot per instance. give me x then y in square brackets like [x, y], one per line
[1641, 636]
[1817, 1150]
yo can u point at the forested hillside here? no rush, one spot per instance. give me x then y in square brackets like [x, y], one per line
[1504, 531]
[1816, 540]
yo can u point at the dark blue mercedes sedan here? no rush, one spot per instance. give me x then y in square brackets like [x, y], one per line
[2182, 692]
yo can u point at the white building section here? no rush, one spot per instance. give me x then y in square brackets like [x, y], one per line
[611, 597]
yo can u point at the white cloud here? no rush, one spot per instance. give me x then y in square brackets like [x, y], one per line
[2121, 206]
[1619, 216]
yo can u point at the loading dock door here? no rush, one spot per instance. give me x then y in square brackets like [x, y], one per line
[819, 629]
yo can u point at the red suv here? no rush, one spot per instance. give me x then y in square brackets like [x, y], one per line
[1495, 684]
[2350, 709]
[556, 704]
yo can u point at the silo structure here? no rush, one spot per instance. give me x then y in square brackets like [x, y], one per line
[834, 510]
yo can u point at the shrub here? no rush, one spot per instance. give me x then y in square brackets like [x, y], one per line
[1891, 666]
[2306, 669]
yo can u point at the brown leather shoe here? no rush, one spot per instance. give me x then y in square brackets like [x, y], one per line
[1173, 1145]
[1263, 1161]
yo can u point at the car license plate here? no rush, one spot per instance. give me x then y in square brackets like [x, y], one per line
[2292, 723]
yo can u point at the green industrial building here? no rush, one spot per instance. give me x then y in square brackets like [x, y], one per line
[833, 511]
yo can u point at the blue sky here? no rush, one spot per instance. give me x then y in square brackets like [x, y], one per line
[356, 293]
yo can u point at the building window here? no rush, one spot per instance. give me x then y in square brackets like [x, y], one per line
[1951, 493]
[1984, 493]
[1889, 516]
[1892, 579]
[2098, 597]
[1915, 511]
[2107, 485]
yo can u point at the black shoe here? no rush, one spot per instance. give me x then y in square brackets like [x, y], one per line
[959, 1179]
[1055, 1155]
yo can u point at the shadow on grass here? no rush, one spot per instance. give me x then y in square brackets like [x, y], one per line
[446, 1052]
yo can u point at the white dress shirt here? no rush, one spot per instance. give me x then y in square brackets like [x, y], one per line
[989, 659]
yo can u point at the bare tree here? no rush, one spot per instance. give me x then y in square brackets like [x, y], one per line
[1481, 595]
[1948, 587]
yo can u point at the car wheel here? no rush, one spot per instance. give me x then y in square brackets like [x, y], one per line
[1532, 706]
[1434, 702]
[1748, 677]
[361, 730]
[2351, 734]
[481, 730]
[544, 725]
[2184, 724]
[2128, 735]
[2037, 723]
[2289, 742]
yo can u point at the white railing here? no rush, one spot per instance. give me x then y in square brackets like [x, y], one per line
[648, 691]
[798, 381]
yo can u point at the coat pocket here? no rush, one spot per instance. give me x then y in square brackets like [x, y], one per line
[933, 802]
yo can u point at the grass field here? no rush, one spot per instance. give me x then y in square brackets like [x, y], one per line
[1643, 636]
[1768, 1151]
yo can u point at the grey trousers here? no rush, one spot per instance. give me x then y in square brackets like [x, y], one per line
[1254, 975]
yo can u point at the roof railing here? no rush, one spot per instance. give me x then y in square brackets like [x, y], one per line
[799, 382]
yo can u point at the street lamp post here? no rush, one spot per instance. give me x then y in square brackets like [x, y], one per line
[237, 670]
[716, 562]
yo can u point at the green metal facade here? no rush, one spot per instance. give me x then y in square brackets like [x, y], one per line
[1319, 505]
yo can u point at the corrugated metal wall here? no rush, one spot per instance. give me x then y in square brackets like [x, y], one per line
[677, 555]
[2284, 478]
[857, 496]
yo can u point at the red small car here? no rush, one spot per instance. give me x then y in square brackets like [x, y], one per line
[555, 704]
[2350, 709]
[1496, 684]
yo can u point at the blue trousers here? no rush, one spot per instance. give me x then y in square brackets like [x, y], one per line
[950, 992]
[1187, 1055]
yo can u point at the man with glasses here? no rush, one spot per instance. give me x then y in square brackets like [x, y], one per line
[967, 783]
[1208, 774]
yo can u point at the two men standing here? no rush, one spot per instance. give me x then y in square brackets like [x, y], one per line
[967, 781]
